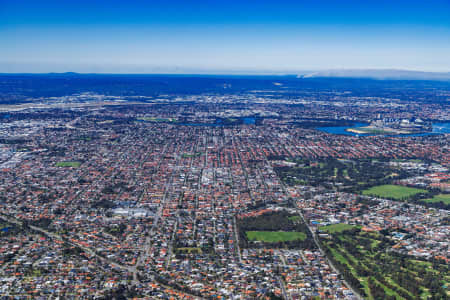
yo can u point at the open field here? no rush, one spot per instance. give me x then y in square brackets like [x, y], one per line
[73, 164]
[397, 192]
[438, 198]
[275, 236]
[337, 227]
[189, 155]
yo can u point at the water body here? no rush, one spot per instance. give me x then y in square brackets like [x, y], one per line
[341, 129]
[5, 229]
[438, 128]
[249, 120]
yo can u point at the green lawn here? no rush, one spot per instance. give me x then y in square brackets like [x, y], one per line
[189, 155]
[275, 236]
[73, 164]
[295, 218]
[393, 191]
[337, 227]
[438, 198]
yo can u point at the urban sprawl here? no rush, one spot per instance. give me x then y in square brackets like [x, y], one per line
[222, 197]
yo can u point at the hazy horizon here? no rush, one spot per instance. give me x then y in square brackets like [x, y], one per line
[214, 37]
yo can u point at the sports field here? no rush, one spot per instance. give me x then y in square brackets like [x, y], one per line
[73, 164]
[275, 236]
[397, 192]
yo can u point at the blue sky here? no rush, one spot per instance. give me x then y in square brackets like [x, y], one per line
[223, 36]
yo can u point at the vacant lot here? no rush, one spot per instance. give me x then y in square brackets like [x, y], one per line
[73, 164]
[397, 192]
[275, 236]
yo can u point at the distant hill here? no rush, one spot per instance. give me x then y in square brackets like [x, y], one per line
[381, 74]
